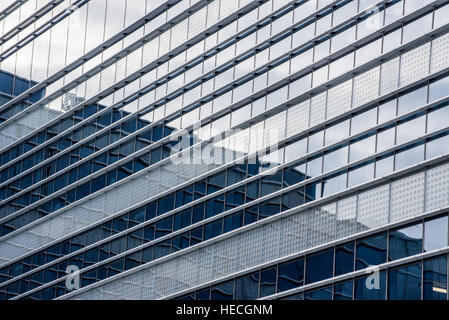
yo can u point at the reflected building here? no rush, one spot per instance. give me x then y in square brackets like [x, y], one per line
[159, 147]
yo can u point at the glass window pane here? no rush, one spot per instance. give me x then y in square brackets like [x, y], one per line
[223, 291]
[319, 266]
[435, 233]
[246, 288]
[291, 275]
[435, 279]
[405, 242]
[344, 259]
[404, 283]
[371, 251]
[412, 100]
[343, 290]
[319, 294]
[371, 287]
[267, 282]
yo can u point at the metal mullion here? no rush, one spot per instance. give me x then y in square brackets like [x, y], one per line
[30, 20]
[221, 237]
[100, 132]
[203, 222]
[243, 77]
[312, 128]
[39, 31]
[304, 253]
[81, 60]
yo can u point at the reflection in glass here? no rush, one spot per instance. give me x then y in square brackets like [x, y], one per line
[405, 242]
[246, 288]
[343, 290]
[319, 266]
[291, 275]
[367, 289]
[371, 251]
[319, 294]
[435, 233]
[223, 291]
[344, 259]
[404, 283]
[435, 279]
[267, 282]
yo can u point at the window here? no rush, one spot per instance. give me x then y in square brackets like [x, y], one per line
[319, 266]
[344, 259]
[435, 279]
[370, 287]
[319, 294]
[291, 275]
[405, 242]
[223, 291]
[267, 282]
[343, 290]
[371, 251]
[246, 288]
[435, 233]
[404, 283]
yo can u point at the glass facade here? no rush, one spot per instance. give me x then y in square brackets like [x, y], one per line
[147, 140]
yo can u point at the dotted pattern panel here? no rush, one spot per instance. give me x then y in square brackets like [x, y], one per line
[389, 76]
[437, 187]
[347, 217]
[372, 208]
[339, 99]
[318, 109]
[407, 197]
[366, 87]
[440, 58]
[415, 64]
[298, 118]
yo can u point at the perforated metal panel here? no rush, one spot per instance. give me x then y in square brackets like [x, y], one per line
[437, 187]
[339, 99]
[407, 197]
[415, 64]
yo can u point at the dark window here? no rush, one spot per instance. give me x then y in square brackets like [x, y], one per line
[405, 242]
[371, 251]
[291, 275]
[319, 294]
[223, 291]
[319, 266]
[371, 287]
[435, 279]
[343, 290]
[267, 282]
[344, 259]
[404, 283]
[246, 288]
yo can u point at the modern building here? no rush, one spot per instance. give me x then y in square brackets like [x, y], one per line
[224, 149]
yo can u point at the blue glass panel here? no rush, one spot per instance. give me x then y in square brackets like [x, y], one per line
[435, 278]
[405, 242]
[371, 251]
[319, 294]
[291, 275]
[344, 259]
[247, 287]
[319, 266]
[343, 290]
[435, 233]
[371, 287]
[404, 283]
[267, 282]
[223, 291]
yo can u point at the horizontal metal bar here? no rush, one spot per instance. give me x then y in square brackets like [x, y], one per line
[228, 235]
[227, 212]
